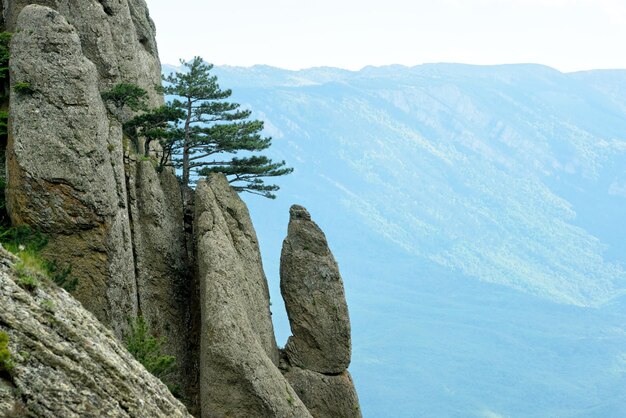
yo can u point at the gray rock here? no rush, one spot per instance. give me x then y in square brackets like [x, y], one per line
[325, 396]
[117, 36]
[65, 163]
[116, 221]
[164, 282]
[66, 363]
[122, 228]
[314, 297]
[239, 374]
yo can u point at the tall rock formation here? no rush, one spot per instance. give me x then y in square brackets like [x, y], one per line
[238, 358]
[122, 228]
[166, 296]
[318, 353]
[117, 36]
[64, 363]
[66, 164]
[71, 174]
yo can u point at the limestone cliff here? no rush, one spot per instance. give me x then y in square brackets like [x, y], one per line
[72, 175]
[239, 358]
[318, 353]
[194, 274]
[65, 162]
[65, 363]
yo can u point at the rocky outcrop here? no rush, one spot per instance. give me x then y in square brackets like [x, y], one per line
[162, 272]
[314, 297]
[72, 175]
[319, 350]
[325, 396]
[239, 357]
[67, 364]
[121, 226]
[117, 36]
[65, 163]
[65, 154]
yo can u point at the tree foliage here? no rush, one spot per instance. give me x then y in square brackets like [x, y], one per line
[213, 129]
[148, 349]
[156, 125]
[250, 171]
[199, 131]
[5, 40]
[126, 95]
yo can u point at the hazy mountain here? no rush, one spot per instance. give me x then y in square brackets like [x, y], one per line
[478, 216]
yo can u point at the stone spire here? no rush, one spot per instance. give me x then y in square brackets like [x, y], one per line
[318, 353]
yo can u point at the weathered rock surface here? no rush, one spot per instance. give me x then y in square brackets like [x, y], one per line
[163, 275]
[117, 36]
[66, 363]
[65, 163]
[65, 154]
[325, 396]
[314, 297]
[238, 360]
[122, 228]
[112, 218]
[318, 353]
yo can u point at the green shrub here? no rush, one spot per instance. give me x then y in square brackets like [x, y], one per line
[23, 88]
[5, 40]
[61, 276]
[48, 305]
[148, 349]
[6, 363]
[127, 95]
[19, 239]
[4, 124]
[26, 277]
[27, 244]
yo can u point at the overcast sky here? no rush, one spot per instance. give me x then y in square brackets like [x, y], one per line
[566, 34]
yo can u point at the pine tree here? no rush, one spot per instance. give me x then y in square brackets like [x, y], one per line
[127, 95]
[250, 171]
[156, 125]
[212, 128]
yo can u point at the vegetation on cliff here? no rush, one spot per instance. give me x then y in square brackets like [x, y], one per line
[5, 38]
[28, 245]
[6, 363]
[148, 350]
[212, 128]
[50, 346]
[199, 131]
[127, 95]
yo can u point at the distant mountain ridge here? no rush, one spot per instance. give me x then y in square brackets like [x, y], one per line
[527, 128]
[477, 213]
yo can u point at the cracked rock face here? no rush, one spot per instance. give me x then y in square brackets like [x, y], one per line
[117, 36]
[318, 353]
[65, 155]
[325, 396]
[112, 218]
[66, 363]
[162, 272]
[239, 376]
[122, 228]
[66, 174]
[314, 297]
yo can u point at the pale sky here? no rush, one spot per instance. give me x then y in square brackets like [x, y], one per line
[568, 35]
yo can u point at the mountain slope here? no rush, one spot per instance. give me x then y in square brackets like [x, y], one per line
[477, 216]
